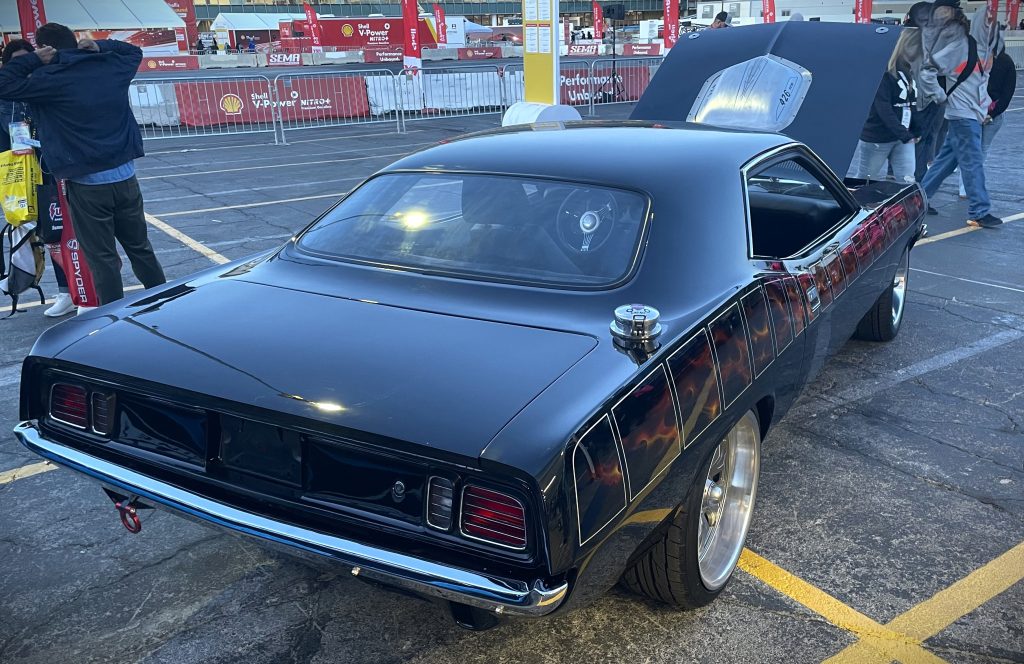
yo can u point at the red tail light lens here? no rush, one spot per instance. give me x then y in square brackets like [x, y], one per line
[493, 517]
[69, 405]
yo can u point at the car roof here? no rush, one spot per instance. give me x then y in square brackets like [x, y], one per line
[646, 156]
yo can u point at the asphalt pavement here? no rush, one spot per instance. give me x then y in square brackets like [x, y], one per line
[890, 514]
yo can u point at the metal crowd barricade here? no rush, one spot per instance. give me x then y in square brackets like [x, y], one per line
[1015, 49]
[445, 92]
[576, 84]
[329, 99]
[621, 79]
[512, 83]
[196, 106]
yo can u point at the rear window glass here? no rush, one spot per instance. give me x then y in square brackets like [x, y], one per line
[490, 227]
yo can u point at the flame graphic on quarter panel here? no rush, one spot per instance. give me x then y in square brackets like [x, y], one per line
[782, 321]
[600, 486]
[796, 303]
[807, 286]
[648, 428]
[756, 311]
[876, 237]
[836, 275]
[733, 352]
[693, 372]
[863, 247]
[821, 281]
[848, 254]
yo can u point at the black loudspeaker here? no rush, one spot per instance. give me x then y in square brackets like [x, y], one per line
[615, 12]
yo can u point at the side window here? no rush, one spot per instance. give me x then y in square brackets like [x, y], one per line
[789, 207]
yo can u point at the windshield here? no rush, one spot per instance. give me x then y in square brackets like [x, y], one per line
[498, 227]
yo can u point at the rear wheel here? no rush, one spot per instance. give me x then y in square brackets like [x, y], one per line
[693, 560]
[882, 322]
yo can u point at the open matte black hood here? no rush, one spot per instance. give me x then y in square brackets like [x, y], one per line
[811, 81]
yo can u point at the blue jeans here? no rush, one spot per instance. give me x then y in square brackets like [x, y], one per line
[988, 132]
[874, 157]
[962, 147]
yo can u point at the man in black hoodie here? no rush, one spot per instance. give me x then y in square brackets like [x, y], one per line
[79, 98]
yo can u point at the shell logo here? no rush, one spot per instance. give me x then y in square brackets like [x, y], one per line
[231, 104]
[347, 30]
[469, 52]
[151, 64]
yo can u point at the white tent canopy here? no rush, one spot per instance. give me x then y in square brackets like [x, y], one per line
[98, 14]
[254, 22]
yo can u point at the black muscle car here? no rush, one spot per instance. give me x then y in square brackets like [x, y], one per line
[511, 381]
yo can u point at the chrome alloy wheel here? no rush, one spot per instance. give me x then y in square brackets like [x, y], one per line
[728, 502]
[899, 288]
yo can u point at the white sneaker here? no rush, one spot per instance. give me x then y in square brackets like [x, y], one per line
[84, 310]
[62, 306]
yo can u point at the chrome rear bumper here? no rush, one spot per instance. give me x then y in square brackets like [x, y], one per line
[389, 567]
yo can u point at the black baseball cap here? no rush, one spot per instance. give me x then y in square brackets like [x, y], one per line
[722, 16]
[948, 3]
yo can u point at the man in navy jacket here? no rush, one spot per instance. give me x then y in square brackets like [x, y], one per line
[78, 94]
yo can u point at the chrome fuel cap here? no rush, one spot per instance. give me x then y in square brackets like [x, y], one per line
[636, 323]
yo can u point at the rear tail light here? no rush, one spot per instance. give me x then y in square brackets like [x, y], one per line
[493, 517]
[102, 413]
[69, 405]
[439, 503]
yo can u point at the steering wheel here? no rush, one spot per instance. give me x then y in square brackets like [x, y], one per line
[586, 219]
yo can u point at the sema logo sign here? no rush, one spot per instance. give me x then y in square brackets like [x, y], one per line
[231, 104]
[280, 59]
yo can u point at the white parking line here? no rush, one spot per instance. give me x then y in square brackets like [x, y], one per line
[970, 281]
[344, 137]
[278, 166]
[250, 189]
[868, 388]
[964, 230]
[143, 169]
[220, 259]
[180, 213]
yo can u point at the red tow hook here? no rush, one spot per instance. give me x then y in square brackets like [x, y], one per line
[129, 516]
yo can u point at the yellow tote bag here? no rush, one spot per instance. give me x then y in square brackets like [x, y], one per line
[19, 177]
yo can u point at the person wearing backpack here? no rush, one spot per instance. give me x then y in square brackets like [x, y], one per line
[967, 103]
[1002, 83]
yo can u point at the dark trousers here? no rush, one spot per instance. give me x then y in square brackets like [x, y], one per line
[103, 213]
[929, 121]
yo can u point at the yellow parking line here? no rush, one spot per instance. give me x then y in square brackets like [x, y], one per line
[964, 230]
[31, 469]
[189, 242]
[877, 638]
[933, 615]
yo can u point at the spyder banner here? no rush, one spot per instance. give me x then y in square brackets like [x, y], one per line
[862, 11]
[313, 23]
[598, 21]
[410, 27]
[71, 257]
[1012, 9]
[768, 10]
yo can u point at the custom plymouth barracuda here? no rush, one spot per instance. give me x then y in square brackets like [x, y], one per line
[510, 382]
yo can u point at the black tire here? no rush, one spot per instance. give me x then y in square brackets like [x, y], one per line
[880, 323]
[668, 570]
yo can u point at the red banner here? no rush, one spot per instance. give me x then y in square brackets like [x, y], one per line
[671, 31]
[768, 11]
[412, 46]
[382, 54]
[578, 85]
[440, 25]
[284, 60]
[598, 21]
[641, 49]
[244, 102]
[862, 11]
[31, 15]
[1012, 9]
[480, 53]
[313, 23]
[72, 258]
[186, 11]
[170, 63]
[583, 49]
